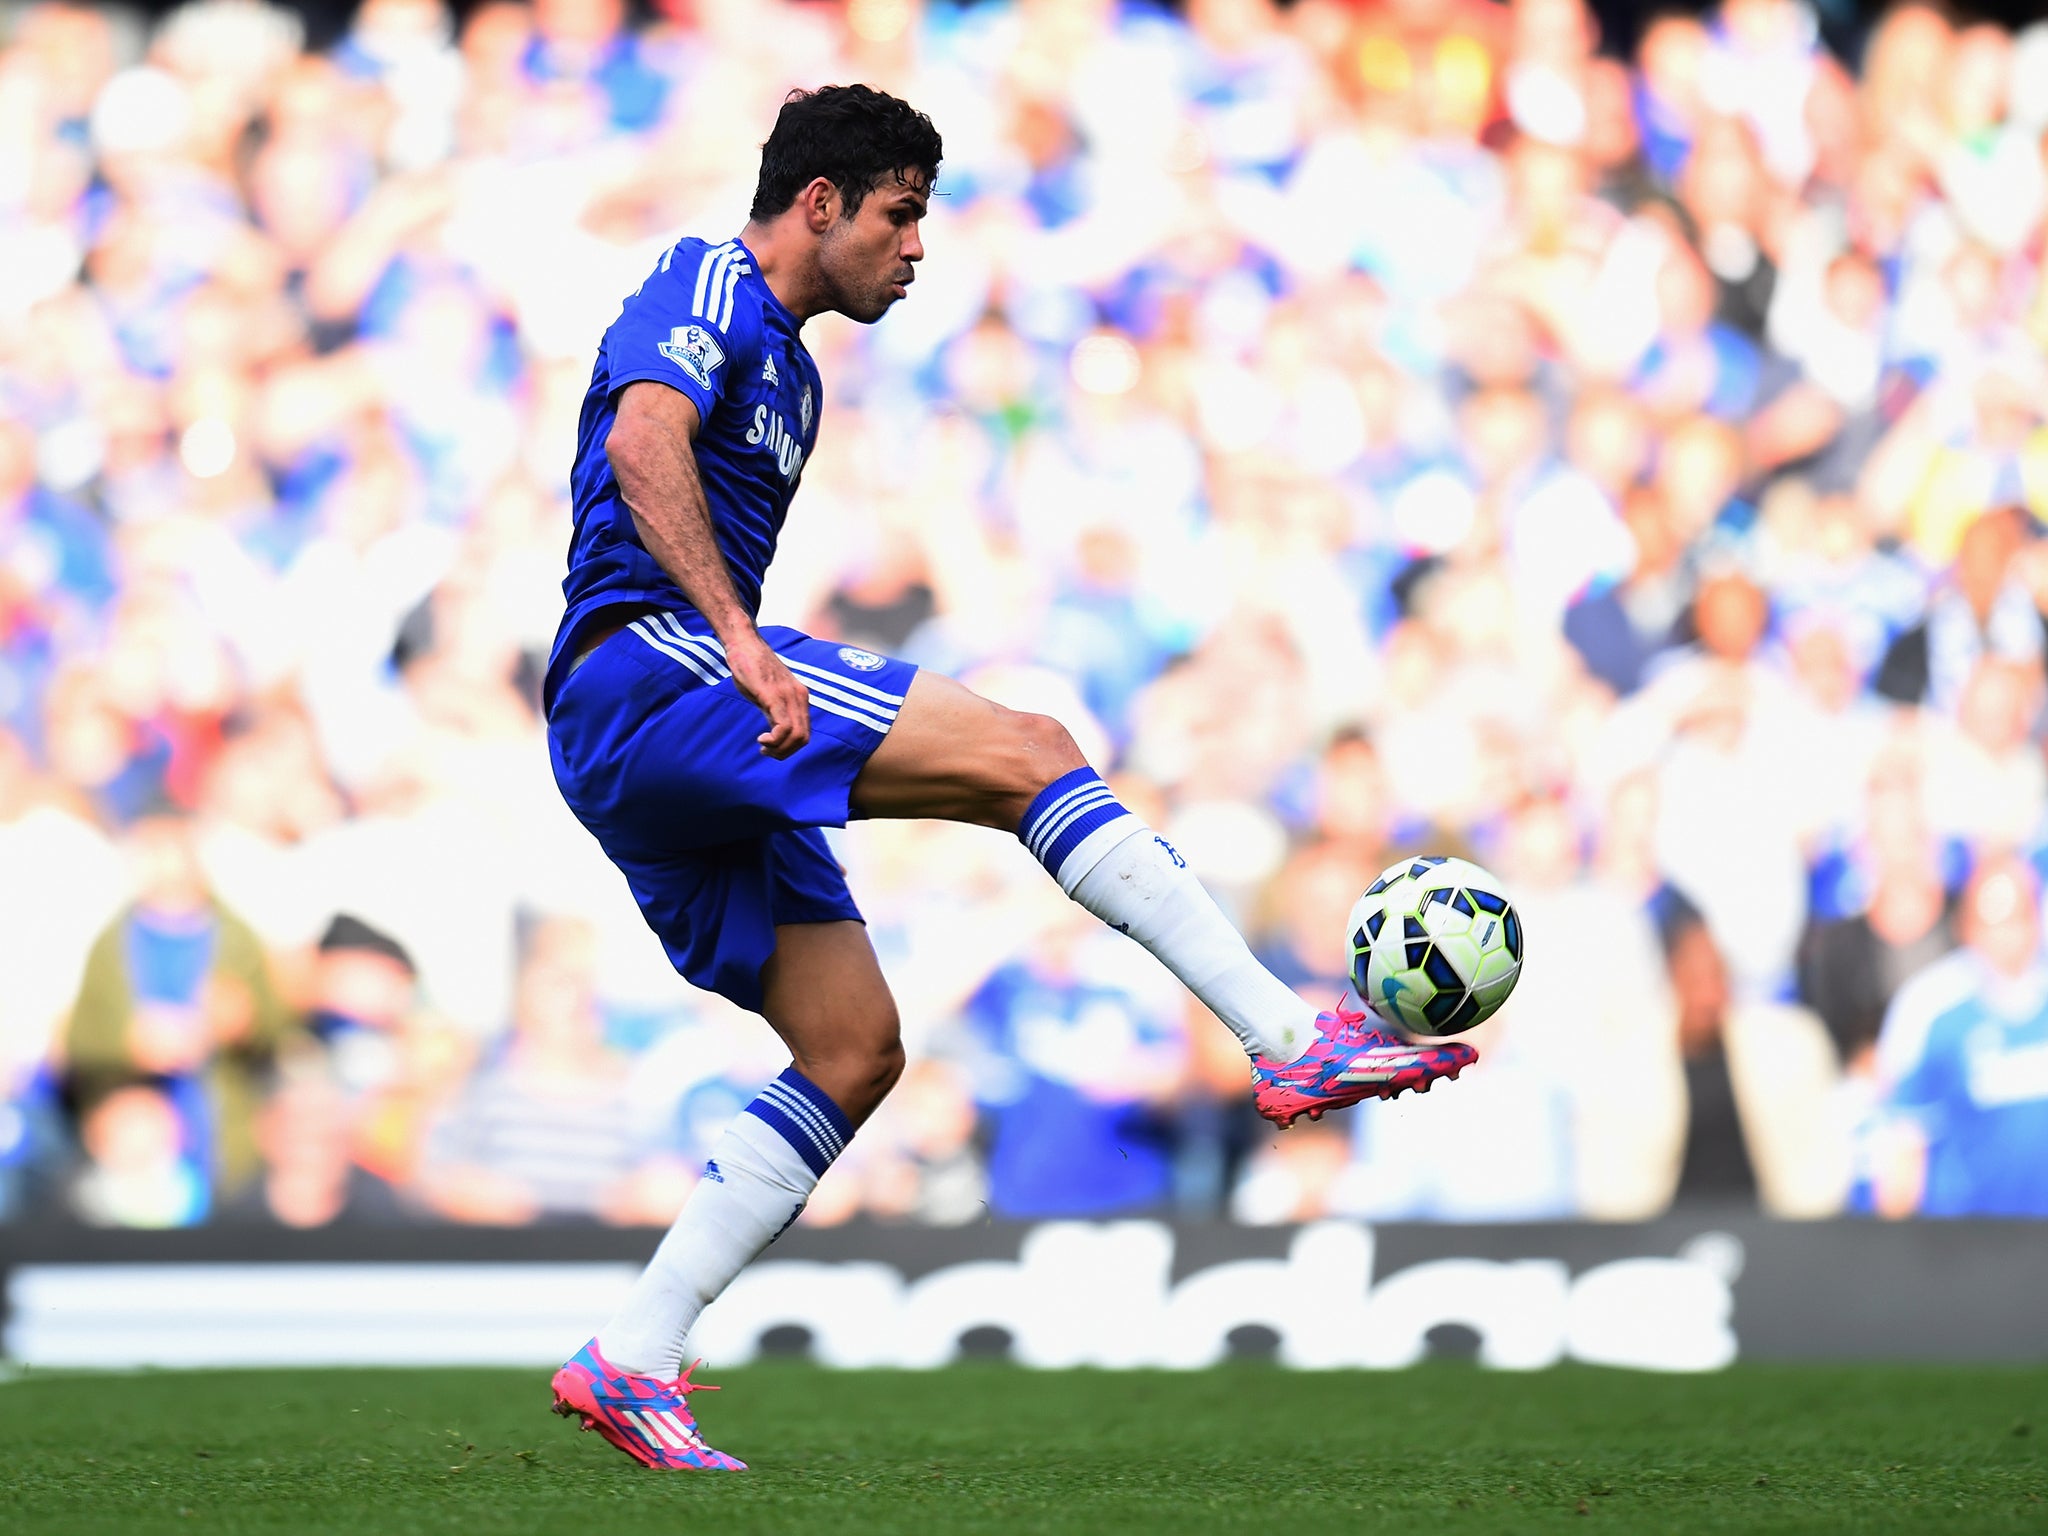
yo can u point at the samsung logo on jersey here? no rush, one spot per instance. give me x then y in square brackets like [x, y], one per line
[788, 450]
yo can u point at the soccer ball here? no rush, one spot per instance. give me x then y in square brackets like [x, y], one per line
[1435, 946]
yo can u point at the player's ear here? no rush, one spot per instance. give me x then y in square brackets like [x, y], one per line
[820, 203]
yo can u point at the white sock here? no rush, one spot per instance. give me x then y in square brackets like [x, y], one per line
[759, 1177]
[1130, 877]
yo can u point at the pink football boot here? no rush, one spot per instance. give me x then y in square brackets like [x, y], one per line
[647, 1418]
[1355, 1057]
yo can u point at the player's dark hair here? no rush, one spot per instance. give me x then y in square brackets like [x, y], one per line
[852, 135]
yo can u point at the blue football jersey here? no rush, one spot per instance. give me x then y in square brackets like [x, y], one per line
[1979, 1087]
[705, 323]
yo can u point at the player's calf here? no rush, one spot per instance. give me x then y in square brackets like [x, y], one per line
[1134, 880]
[1110, 862]
[823, 992]
[957, 756]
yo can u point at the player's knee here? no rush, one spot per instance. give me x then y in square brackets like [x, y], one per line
[873, 1064]
[856, 1058]
[1041, 750]
[886, 1064]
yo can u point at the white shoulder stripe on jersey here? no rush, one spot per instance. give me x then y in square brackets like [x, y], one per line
[710, 279]
[704, 266]
[738, 270]
[716, 291]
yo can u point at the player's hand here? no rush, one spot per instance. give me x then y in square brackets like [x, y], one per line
[759, 674]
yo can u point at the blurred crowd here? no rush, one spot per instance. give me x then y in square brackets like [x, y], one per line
[1374, 426]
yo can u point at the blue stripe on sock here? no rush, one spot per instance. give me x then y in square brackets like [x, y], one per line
[804, 1115]
[835, 1117]
[1050, 796]
[799, 1109]
[1070, 837]
[1060, 815]
[1064, 813]
[801, 1137]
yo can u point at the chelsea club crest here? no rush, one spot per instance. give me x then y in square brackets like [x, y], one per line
[854, 656]
[806, 408]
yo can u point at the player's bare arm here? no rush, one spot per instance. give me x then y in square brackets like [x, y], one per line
[650, 452]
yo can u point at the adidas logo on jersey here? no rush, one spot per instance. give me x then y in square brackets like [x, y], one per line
[768, 373]
[788, 449]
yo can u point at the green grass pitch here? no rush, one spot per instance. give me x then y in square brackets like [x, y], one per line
[995, 1449]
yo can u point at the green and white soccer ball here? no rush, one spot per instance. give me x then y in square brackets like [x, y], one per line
[1436, 946]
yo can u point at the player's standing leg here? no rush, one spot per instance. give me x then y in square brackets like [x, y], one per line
[955, 755]
[824, 994]
[826, 998]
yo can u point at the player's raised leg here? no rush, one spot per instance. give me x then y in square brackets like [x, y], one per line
[823, 992]
[954, 755]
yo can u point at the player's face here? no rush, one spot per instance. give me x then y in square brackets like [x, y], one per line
[869, 259]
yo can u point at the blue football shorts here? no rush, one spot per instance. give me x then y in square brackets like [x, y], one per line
[654, 749]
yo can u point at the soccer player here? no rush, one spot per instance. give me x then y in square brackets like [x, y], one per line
[705, 752]
[1964, 1128]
